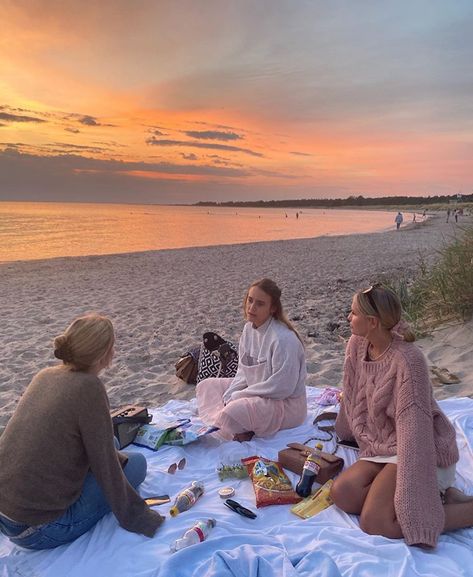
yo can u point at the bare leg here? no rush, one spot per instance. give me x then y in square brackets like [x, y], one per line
[454, 495]
[378, 516]
[458, 509]
[351, 487]
[367, 489]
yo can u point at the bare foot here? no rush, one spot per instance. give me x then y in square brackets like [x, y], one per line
[241, 437]
[453, 495]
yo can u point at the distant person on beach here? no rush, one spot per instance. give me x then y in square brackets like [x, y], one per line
[60, 470]
[448, 214]
[268, 392]
[455, 214]
[398, 220]
[401, 485]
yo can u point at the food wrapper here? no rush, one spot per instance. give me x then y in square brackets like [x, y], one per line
[271, 484]
[314, 503]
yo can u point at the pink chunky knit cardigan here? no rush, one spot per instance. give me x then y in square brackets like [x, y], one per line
[388, 407]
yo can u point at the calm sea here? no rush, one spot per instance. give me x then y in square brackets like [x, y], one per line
[30, 231]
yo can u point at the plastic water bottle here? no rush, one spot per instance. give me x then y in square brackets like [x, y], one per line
[309, 473]
[196, 534]
[187, 498]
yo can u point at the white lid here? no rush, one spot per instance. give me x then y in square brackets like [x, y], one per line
[226, 492]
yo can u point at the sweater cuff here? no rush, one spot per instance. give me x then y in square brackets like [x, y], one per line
[418, 536]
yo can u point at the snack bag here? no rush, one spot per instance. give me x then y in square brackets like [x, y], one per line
[271, 484]
[314, 503]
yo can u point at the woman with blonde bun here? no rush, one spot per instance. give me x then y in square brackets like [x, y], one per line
[401, 486]
[61, 471]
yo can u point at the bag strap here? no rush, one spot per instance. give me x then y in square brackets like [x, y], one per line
[306, 451]
[327, 416]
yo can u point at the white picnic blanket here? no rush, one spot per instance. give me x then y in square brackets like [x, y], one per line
[275, 544]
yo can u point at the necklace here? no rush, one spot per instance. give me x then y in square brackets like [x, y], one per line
[372, 357]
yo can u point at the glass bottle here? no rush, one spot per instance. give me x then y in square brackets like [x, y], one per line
[309, 473]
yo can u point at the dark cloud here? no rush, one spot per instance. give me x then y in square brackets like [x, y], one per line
[223, 126]
[216, 159]
[295, 153]
[66, 146]
[70, 163]
[12, 144]
[190, 156]
[213, 135]
[89, 121]
[155, 142]
[19, 118]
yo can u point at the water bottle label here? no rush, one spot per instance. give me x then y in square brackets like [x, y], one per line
[199, 532]
[312, 466]
[189, 495]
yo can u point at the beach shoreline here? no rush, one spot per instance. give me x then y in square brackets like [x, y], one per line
[161, 302]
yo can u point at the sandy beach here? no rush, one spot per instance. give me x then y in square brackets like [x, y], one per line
[162, 302]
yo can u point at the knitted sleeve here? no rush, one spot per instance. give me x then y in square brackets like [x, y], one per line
[417, 500]
[342, 424]
[96, 430]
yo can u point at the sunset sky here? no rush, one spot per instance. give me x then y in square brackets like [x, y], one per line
[175, 101]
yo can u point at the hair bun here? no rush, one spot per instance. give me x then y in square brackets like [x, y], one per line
[62, 350]
[404, 330]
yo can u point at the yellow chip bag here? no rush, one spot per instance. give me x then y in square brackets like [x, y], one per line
[271, 484]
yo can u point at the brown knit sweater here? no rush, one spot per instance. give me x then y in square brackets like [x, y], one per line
[60, 430]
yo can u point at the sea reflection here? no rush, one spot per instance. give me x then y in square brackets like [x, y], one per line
[31, 231]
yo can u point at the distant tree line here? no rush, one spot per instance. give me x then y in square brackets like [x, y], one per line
[338, 202]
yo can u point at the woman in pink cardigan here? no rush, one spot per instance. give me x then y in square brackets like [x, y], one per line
[401, 486]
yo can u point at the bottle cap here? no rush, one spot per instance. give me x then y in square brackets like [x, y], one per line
[226, 492]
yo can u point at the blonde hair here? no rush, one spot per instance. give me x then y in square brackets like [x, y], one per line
[383, 303]
[274, 292]
[85, 341]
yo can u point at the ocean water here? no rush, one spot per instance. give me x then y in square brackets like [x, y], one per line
[30, 231]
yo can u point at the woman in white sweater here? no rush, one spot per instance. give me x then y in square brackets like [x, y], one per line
[268, 392]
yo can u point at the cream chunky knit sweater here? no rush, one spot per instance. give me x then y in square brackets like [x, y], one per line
[389, 409]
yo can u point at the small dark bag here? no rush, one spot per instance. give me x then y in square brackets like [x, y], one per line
[293, 458]
[126, 422]
[188, 365]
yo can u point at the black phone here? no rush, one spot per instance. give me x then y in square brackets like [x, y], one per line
[158, 500]
[349, 445]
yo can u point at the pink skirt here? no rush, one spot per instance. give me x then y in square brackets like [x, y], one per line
[258, 414]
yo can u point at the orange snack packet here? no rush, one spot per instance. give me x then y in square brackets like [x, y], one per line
[271, 484]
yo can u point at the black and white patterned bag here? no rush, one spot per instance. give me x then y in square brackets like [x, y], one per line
[218, 357]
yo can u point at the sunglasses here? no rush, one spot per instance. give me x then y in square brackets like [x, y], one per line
[175, 466]
[368, 292]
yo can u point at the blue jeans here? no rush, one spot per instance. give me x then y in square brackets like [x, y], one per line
[81, 516]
